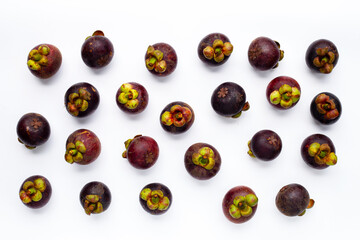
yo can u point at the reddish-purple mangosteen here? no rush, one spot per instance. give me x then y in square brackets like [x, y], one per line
[318, 151]
[155, 198]
[215, 49]
[283, 92]
[202, 161]
[326, 108]
[265, 145]
[35, 191]
[44, 60]
[160, 59]
[142, 152]
[264, 53]
[82, 147]
[293, 200]
[33, 130]
[97, 51]
[239, 204]
[322, 56]
[132, 98]
[95, 197]
[81, 99]
[177, 117]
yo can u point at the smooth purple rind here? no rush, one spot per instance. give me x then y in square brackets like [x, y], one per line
[97, 51]
[143, 98]
[266, 145]
[96, 188]
[208, 41]
[142, 152]
[321, 139]
[169, 56]
[263, 53]
[46, 195]
[276, 83]
[292, 200]
[167, 193]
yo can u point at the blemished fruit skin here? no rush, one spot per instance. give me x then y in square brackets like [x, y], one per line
[264, 53]
[45, 189]
[283, 92]
[177, 117]
[322, 56]
[159, 205]
[326, 108]
[265, 145]
[169, 56]
[87, 197]
[132, 98]
[208, 41]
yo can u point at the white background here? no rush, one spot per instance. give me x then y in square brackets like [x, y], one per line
[196, 212]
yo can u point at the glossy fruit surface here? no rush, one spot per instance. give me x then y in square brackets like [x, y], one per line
[326, 108]
[264, 53]
[95, 197]
[81, 99]
[97, 51]
[177, 117]
[44, 60]
[322, 56]
[161, 59]
[318, 151]
[155, 198]
[239, 204]
[265, 145]
[202, 161]
[283, 92]
[229, 100]
[82, 147]
[293, 200]
[132, 98]
[33, 130]
[35, 191]
[215, 49]
[142, 152]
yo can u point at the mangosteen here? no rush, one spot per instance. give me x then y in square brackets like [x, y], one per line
[326, 108]
[44, 60]
[283, 92]
[202, 161]
[132, 98]
[35, 191]
[322, 56]
[265, 145]
[33, 130]
[177, 117]
[155, 198]
[97, 51]
[95, 197]
[215, 49]
[160, 59]
[81, 99]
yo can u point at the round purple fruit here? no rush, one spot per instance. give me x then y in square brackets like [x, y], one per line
[97, 51]
[142, 152]
[264, 53]
[318, 151]
[322, 56]
[215, 49]
[33, 130]
[265, 145]
[155, 198]
[177, 117]
[293, 200]
[283, 92]
[202, 161]
[132, 98]
[326, 108]
[44, 60]
[82, 147]
[160, 59]
[95, 197]
[239, 204]
[81, 99]
[35, 191]
[229, 100]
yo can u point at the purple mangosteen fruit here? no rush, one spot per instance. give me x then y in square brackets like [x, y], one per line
[132, 98]
[265, 145]
[161, 59]
[283, 92]
[35, 191]
[177, 117]
[155, 198]
[325, 108]
[95, 197]
[322, 56]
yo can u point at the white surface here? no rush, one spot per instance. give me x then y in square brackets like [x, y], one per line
[196, 211]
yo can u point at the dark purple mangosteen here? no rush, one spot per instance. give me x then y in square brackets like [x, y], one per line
[239, 204]
[132, 98]
[322, 56]
[265, 145]
[318, 151]
[82, 147]
[293, 200]
[142, 152]
[264, 53]
[155, 198]
[326, 108]
[229, 100]
[177, 117]
[215, 49]
[283, 92]
[33, 130]
[44, 60]
[160, 59]
[202, 161]
[81, 99]
[95, 197]
[35, 191]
